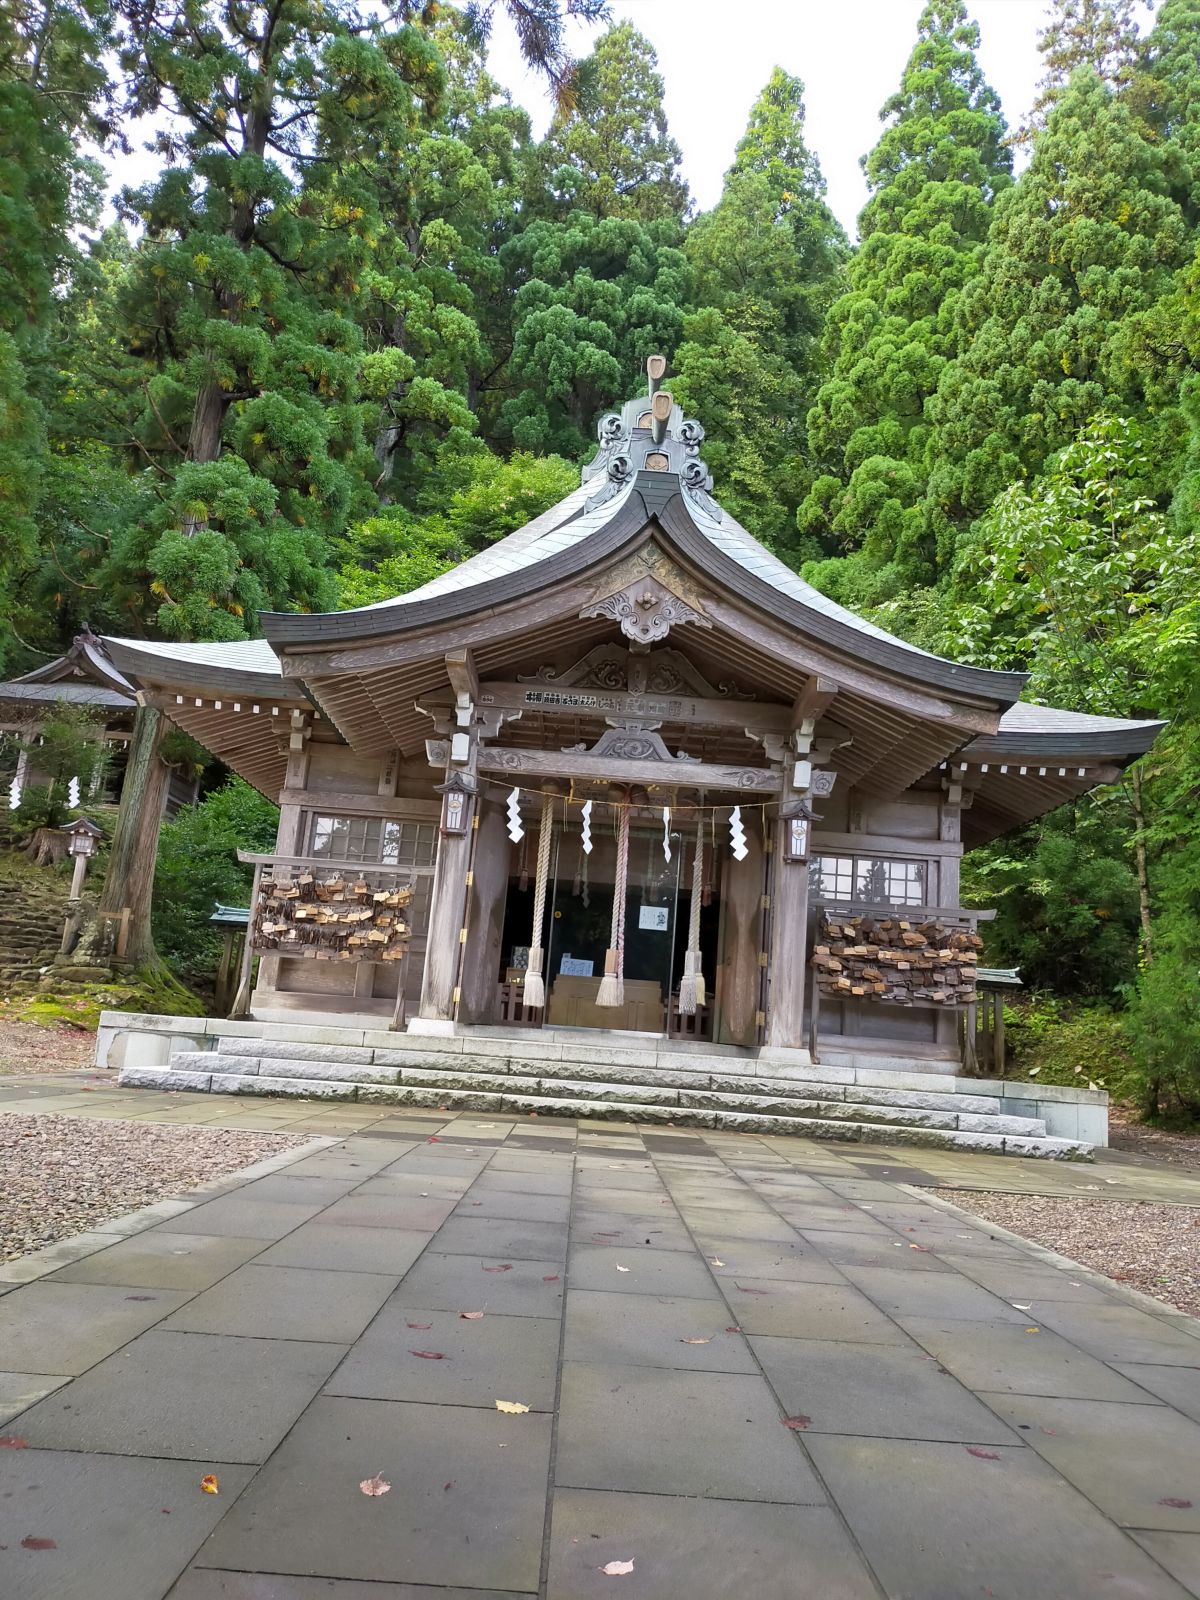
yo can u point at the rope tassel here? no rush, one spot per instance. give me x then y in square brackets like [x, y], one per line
[612, 985]
[691, 985]
[534, 989]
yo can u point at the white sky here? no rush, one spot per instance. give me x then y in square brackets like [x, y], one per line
[715, 57]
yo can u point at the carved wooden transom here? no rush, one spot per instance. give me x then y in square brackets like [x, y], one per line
[664, 671]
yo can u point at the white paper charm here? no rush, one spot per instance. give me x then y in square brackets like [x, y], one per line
[585, 829]
[73, 794]
[667, 833]
[737, 835]
[516, 831]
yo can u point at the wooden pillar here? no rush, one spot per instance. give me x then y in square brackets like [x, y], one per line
[950, 831]
[741, 906]
[789, 947]
[485, 918]
[447, 910]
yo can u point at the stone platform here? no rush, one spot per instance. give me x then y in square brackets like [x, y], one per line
[613, 1076]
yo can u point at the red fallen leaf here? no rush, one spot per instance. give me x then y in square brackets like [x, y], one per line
[30, 1543]
[433, 1139]
[423, 1326]
[745, 1290]
[984, 1455]
[1176, 1505]
[506, 1267]
[449, 1485]
[13, 1441]
[552, 1278]
[798, 1423]
[733, 1328]
[429, 1355]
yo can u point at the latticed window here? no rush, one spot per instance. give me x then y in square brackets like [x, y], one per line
[367, 839]
[875, 880]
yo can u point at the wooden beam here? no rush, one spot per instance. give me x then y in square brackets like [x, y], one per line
[505, 762]
[814, 700]
[460, 669]
[746, 716]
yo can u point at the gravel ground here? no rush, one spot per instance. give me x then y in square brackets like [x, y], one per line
[1154, 1248]
[27, 1047]
[61, 1175]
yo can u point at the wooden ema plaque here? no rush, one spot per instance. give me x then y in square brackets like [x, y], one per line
[895, 961]
[343, 918]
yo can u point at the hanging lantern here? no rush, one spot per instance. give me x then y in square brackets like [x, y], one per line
[456, 795]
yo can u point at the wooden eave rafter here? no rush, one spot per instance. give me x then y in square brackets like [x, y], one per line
[899, 728]
[249, 736]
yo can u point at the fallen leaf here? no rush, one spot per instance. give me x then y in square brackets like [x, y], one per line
[733, 1328]
[210, 1483]
[13, 1441]
[617, 1569]
[715, 1261]
[1033, 1330]
[470, 1316]
[30, 1543]
[1176, 1505]
[511, 1408]
[552, 1278]
[624, 1269]
[1017, 1307]
[429, 1355]
[423, 1326]
[695, 1341]
[797, 1423]
[141, 1297]
[745, 1290]
[984, 1455]
[507, 1267]
[449, 1485]
[433, 1138]
[374, 1487]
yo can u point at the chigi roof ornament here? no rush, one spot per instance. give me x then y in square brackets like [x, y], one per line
[650, 435]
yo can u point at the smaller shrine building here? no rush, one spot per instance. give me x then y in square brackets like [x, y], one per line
[636, 772]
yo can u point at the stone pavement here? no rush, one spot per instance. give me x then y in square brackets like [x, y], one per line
[749, 1364]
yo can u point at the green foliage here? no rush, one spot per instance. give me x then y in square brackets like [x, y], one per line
[609, 151]
[1164, 1018]
[1071, 1045]
[197, 866]
[938, 166]
[68, 744]
[399, 550]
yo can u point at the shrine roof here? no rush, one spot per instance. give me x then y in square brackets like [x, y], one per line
[1025, 726]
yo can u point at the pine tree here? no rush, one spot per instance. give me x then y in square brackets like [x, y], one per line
[766, 260]
[610, 152]
[1101, 35]
[1088, 237]
[933, 176]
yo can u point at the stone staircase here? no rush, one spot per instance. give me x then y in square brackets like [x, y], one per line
[678, 1089]
[31, 924]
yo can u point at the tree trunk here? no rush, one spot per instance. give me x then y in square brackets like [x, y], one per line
[1143, 876]
[129, 881]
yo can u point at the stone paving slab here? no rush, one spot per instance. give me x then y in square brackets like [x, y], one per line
[714, 1434]
[304, 1512]
[701, 1549]
[261, 1302]
[186, 1396]
[945, 1442]
[65, 1328]
[1139, 1464]
[443, 1357]
[119, 1527]
[937, 1522]
[653, 1331]
[154, 1260]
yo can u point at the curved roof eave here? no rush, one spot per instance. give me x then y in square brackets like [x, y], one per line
[1048, 732]
[228, 668]
[660, 496]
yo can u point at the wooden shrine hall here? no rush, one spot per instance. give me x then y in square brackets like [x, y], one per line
[625, 770]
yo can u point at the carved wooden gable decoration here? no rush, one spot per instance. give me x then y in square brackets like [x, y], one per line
[647, 595]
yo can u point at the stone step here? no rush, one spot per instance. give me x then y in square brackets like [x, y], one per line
[691, 1071]
[751, 1095]
[548, 1104]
